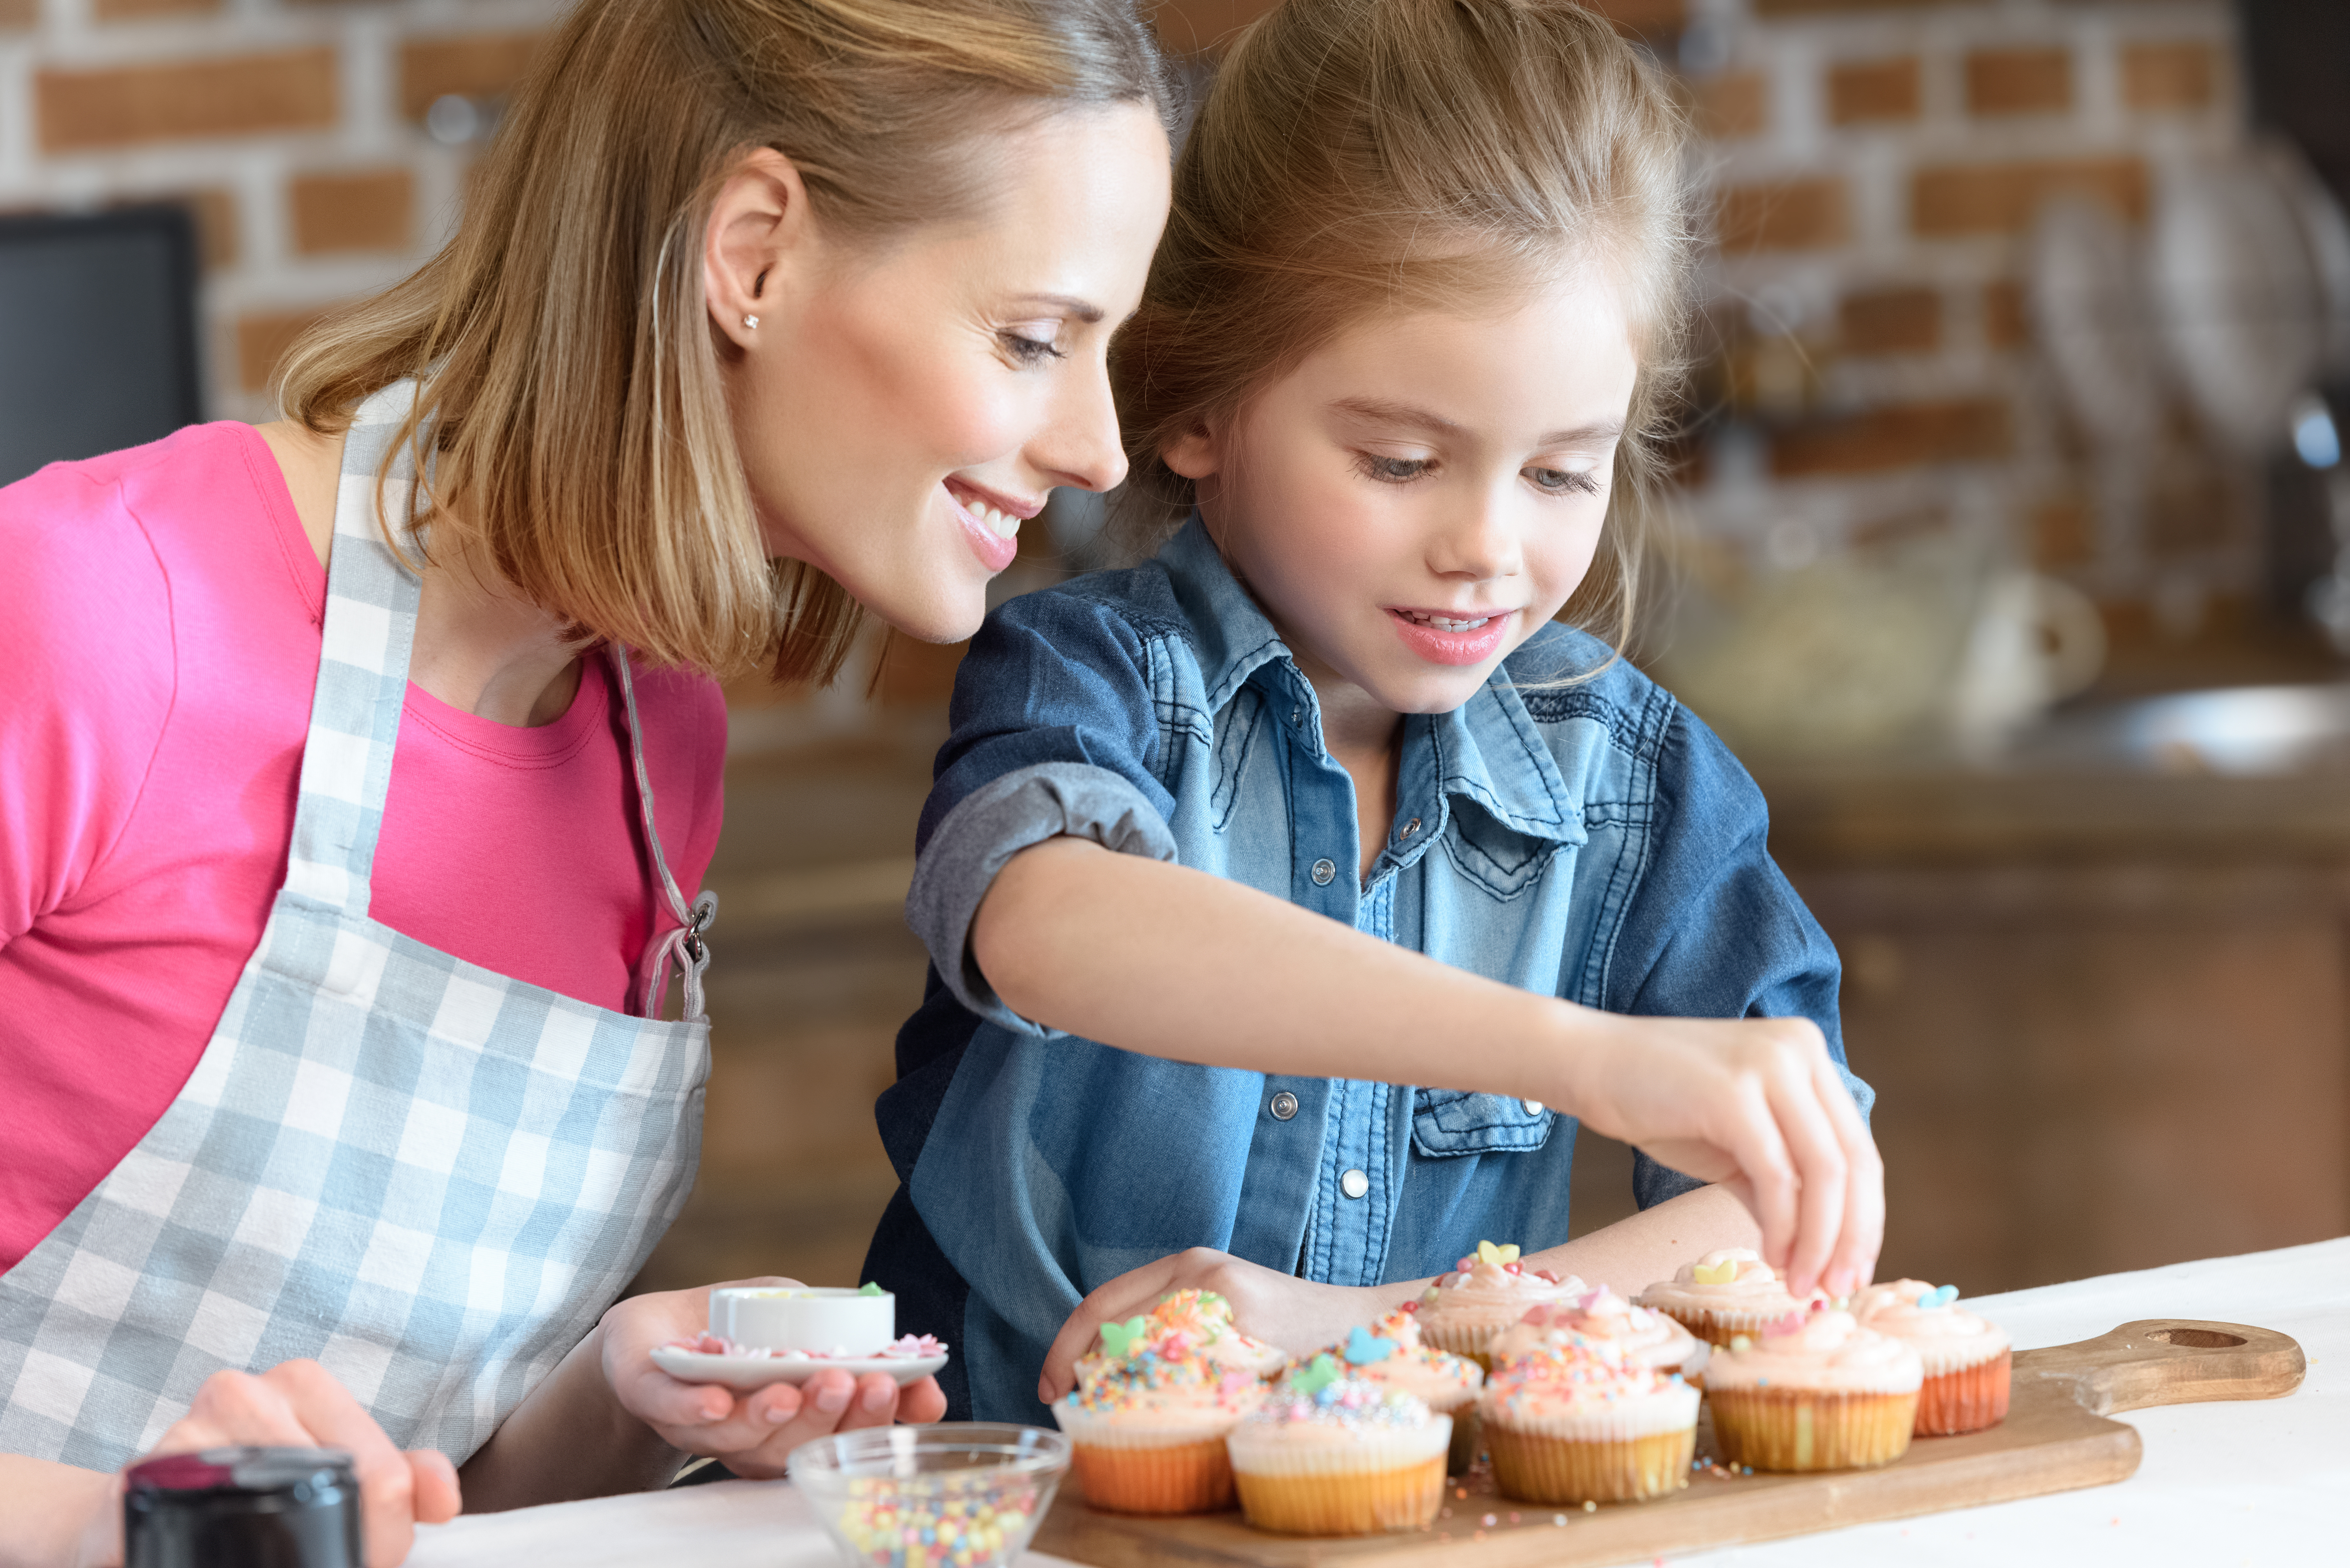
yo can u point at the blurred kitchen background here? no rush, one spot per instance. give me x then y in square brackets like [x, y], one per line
[2010, 557]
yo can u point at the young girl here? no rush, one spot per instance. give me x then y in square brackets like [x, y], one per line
[1406, 348]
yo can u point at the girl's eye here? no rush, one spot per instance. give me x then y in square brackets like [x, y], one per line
[1561, 481]
[1031, 350]
[1395, 470]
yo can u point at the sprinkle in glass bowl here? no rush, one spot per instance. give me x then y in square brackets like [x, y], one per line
[963, 1494]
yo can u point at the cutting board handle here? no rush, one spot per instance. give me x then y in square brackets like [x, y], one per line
[2170, 1361]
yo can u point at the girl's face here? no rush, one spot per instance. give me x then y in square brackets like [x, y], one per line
[1417, 497]
[903, 407]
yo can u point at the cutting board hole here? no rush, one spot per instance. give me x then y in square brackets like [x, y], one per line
[2196, 1339]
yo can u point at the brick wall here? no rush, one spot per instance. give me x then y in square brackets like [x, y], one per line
[1875, 169]
[296, 131]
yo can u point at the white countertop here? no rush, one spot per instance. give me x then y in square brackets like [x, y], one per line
[2264, 1481]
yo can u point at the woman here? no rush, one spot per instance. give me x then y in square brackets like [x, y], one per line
[356, 800]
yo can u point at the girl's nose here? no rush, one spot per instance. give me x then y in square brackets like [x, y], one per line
[1080, 445]
[1478, 539]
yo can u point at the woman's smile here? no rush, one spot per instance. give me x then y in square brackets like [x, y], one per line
[991, 523]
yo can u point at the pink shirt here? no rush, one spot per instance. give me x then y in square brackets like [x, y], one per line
[160, 614]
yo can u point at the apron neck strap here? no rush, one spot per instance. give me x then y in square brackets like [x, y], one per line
[369, 636]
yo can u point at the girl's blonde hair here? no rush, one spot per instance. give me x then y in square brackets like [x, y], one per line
[568, 371]
[1359, 157]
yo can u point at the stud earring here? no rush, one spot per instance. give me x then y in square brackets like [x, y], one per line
[750, 321]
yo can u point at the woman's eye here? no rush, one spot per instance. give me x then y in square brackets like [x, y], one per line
[1561, 481]
[1395, 470]
[1032, 351]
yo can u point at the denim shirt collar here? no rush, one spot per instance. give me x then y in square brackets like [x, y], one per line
[1487, 750]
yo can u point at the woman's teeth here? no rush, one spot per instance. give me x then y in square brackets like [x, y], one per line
[1443, 623]
[1002, 524]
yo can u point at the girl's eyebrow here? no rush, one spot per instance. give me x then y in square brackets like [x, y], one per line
[1382, 411]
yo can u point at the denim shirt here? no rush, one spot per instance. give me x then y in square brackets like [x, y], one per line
[1592, 841]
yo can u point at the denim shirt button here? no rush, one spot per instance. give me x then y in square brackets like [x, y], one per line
[1322, 871]
[1354, 1184]
[1534, 1107]
[1284, 1107]
[1409, 829]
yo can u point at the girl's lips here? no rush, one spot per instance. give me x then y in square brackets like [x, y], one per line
[1457, 648]
[994, 551]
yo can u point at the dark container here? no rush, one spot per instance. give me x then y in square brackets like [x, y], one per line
[242, 1507]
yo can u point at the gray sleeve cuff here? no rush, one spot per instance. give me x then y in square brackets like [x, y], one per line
[997, 821]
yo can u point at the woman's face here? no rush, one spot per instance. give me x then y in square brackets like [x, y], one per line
[903, 406]
[1419, 495]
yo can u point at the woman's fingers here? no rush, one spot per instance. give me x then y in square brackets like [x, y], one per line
[298, 1404]
[922, 1402]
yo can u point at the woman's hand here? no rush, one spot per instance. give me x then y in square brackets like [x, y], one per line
[298, 1405]
[1756, 1105]
[1298, 1316]
[751, 1434]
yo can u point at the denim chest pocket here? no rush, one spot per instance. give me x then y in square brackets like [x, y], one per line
[1452, 1122]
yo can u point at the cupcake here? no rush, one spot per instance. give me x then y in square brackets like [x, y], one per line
[1579, 1419]
[1331, 1454]
[1486, 1293]
[1207, 1318]
[1722, 1295]
[1966, 1360]
[1390, 1353]
[1815, 1391]
[1147, 1420]
[1651, 1338]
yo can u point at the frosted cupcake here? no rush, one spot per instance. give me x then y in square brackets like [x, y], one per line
[1463, 1310]
[1330, 1454]
[1651, 1338]
[1724, 1295]
[1391, 1354]
[1966, 1361]
[1815, 1392]
[1147, 1418]
[1207, 1318]
[1577, 1420]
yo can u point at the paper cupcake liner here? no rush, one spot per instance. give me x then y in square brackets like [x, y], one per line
[1811, 1429]
[1468, 1440]
[1362, 1504]
[1263, 1448]
[1966, 1400]
[1148, 1429]
[1940, 1356]
[1671, 1407]
[1536, 1469]
[1191, 1478]
[1717, 1326]
[1465, 1336]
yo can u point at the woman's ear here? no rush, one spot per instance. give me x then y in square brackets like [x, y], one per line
[759, 239]
[1195, 454]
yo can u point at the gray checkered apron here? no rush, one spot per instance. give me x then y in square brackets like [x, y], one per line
[429, 1176]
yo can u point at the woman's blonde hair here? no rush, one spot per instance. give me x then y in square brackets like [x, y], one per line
[581, 431]
[1361, 157]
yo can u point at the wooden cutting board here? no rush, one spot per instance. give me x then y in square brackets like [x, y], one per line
[2055, 1438]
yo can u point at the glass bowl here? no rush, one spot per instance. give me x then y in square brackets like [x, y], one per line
[961, 1494]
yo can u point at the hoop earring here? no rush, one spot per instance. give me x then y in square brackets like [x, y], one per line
[751, 321]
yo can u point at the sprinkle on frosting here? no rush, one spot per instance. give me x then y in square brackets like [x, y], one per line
[1184, 1351]
[1339, 1401]
[1364, 1347]
[870, 1288]
[1579, 1379]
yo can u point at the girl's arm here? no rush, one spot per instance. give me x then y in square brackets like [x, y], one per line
[1175, 962]
[1302, 1315]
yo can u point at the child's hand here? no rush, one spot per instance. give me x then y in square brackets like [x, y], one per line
[751, 1434]
[1298, 1316]
[1755, 1105]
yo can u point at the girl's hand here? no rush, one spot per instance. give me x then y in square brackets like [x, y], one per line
[298, 1405]
[1755, 1105]
[1298, 1316]
[751, 1434]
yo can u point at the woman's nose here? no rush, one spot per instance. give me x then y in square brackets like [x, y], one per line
[1080, 446]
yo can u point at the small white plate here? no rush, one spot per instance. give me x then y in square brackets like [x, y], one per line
[757, 1371]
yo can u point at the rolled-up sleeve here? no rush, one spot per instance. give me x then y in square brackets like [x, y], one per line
[1054, 733]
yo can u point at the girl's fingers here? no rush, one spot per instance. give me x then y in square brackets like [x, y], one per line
[327, 1411]
[1755, 1142]
[1134, 1291]
[922, 1402]
[1855, 1263]
[1822, 1176]
[875, 1403]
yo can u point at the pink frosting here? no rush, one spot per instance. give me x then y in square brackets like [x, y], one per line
[1946, 1337]
[1754, 1288]
[1649, 1337]
[1500, 1292]
[1824, 1350]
